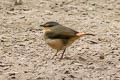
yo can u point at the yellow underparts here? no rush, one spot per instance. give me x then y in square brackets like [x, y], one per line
[71, 40]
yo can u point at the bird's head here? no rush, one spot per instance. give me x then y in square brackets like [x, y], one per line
[49, 24]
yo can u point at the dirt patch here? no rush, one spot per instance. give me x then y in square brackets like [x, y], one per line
[25, 56]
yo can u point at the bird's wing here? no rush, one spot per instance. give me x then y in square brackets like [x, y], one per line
[62, 33]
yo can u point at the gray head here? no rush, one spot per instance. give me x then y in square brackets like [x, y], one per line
[49, 24]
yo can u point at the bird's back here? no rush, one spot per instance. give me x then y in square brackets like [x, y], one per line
[61, 32]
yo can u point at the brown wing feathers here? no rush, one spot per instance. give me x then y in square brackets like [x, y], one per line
[61, 33]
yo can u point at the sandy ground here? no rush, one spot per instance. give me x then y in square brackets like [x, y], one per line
[25, 56]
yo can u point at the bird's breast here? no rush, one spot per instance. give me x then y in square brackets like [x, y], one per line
[55, 43]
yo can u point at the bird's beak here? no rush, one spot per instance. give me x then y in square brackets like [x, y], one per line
[41, 25]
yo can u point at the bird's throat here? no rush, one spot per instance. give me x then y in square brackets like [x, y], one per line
[47, 29]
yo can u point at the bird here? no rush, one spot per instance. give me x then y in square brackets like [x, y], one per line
[60, 37]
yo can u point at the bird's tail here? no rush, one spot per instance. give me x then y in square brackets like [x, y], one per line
[78, 35]
[83, 34]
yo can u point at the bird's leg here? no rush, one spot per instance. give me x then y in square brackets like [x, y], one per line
[54, 55]
[62, 54]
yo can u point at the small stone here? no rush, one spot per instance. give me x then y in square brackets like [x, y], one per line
[13, 77]
[72, 76]
[102, 57]
[67, 72]
[11, 74]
